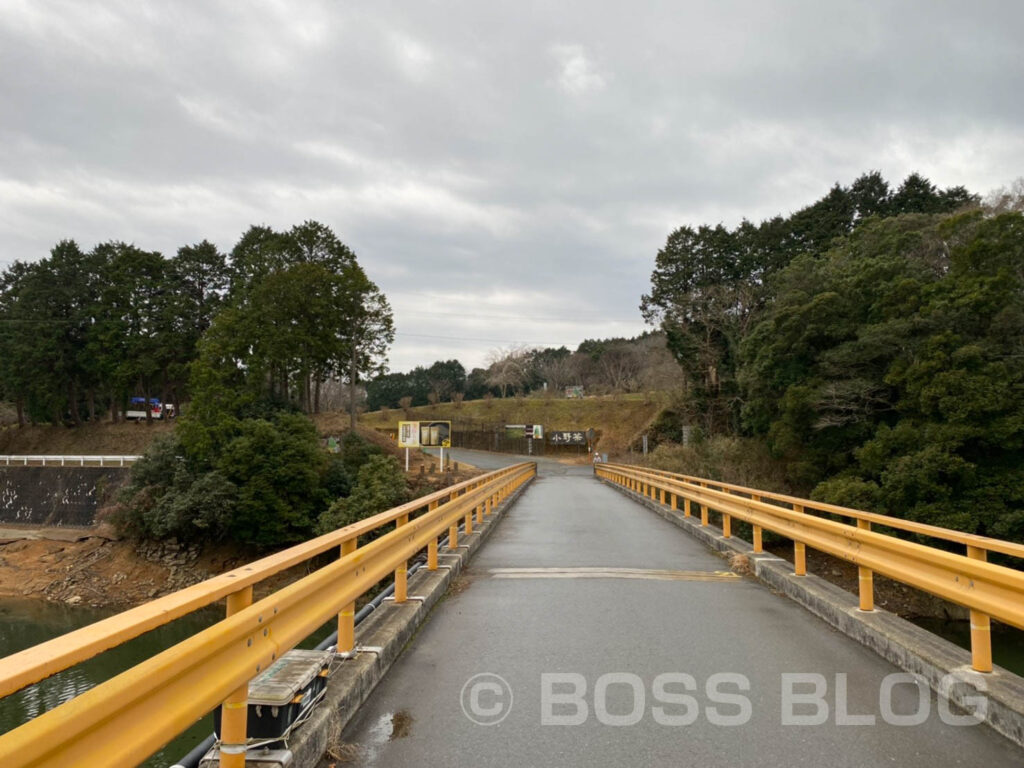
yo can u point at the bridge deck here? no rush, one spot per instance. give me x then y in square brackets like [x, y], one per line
[521, 624]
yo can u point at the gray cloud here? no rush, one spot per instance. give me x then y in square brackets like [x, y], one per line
[505, 171]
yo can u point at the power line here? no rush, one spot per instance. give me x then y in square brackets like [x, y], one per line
[491, 341]
[524, 316]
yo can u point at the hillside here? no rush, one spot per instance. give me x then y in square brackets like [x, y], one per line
[125, 439]
[618, 419]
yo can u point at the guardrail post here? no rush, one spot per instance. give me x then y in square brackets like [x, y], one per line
[662, 495]
[758, 537]
[480, 513]
[799, 550]
[347, 617]
[686, 508]
[402, 571]
[468, 523]
[432, 555]
[703, 515]
[675, 501]
[235, 709]
[981, 627]
[726, 526]
[866, 577]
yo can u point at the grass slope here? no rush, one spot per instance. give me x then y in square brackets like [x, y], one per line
[619, 419]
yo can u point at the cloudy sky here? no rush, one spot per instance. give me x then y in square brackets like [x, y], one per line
[505, 171]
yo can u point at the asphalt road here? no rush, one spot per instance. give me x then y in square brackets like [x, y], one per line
[488, 460]
[624, 637]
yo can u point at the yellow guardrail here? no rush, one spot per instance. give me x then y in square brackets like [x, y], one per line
[986, 589]
[124, 720]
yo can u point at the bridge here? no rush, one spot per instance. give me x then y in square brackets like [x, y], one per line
[609, 616]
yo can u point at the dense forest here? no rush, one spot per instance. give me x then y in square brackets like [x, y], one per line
[81, 332]
[873, 342]
[248, 338]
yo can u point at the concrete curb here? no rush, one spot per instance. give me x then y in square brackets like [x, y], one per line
[387, 631]
[895, 639]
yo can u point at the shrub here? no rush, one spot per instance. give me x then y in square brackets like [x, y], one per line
[380, 485]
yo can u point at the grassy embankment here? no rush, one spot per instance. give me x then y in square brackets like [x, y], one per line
[618, 419]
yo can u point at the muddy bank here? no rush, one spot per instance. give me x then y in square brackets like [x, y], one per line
[86, 567]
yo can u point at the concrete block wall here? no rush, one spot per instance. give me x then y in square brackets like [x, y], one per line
[56, 496]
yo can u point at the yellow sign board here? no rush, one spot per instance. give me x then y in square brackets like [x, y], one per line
[417, 434]
[408, 434]
[436, 433]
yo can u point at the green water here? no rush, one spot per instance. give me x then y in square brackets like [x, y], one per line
[24, 623]
[1007, 642]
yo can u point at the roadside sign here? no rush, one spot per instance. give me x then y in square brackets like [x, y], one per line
[408, 434]
[571, 437]
[436, 433]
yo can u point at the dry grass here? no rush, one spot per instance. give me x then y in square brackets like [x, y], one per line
[620, 419]
[730, 459]
[740, 564]
[128, 438]
[344, 753]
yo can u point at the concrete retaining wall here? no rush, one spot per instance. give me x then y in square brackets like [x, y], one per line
[56, 495]
[902, 643]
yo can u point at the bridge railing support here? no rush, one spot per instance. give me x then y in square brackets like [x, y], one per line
[987, 590]
[124, 720]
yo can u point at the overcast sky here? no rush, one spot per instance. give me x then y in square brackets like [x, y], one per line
[505, 171]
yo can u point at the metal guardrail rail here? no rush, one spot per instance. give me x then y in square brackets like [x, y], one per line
[988, 590]
[68, 461]
[124, 720]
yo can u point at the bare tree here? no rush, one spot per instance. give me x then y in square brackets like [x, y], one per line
[559, 372]
[508, 368]
[1006, 199]
[622, 365]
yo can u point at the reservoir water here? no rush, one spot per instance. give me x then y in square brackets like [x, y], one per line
[24, 623]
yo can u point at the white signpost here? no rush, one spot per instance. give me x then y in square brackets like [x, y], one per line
[408, 437]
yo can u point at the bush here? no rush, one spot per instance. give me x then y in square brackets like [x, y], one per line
[266, 487]
[729, 459]
[277, 467]
[380, 485]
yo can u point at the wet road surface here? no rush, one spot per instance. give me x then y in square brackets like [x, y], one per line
[590, 632]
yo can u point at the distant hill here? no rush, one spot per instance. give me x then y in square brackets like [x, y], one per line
[619, 419]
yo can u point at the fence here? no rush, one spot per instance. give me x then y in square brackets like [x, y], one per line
[988, 590]
[124, 720]
[68, 461]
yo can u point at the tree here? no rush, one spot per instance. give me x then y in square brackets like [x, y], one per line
[890, 372]
[300, 311]
[380, 485]
[710, 284]
[508, 369]
[446, 377]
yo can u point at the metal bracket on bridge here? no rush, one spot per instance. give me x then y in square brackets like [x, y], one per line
[391, 598]
[348, 655]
